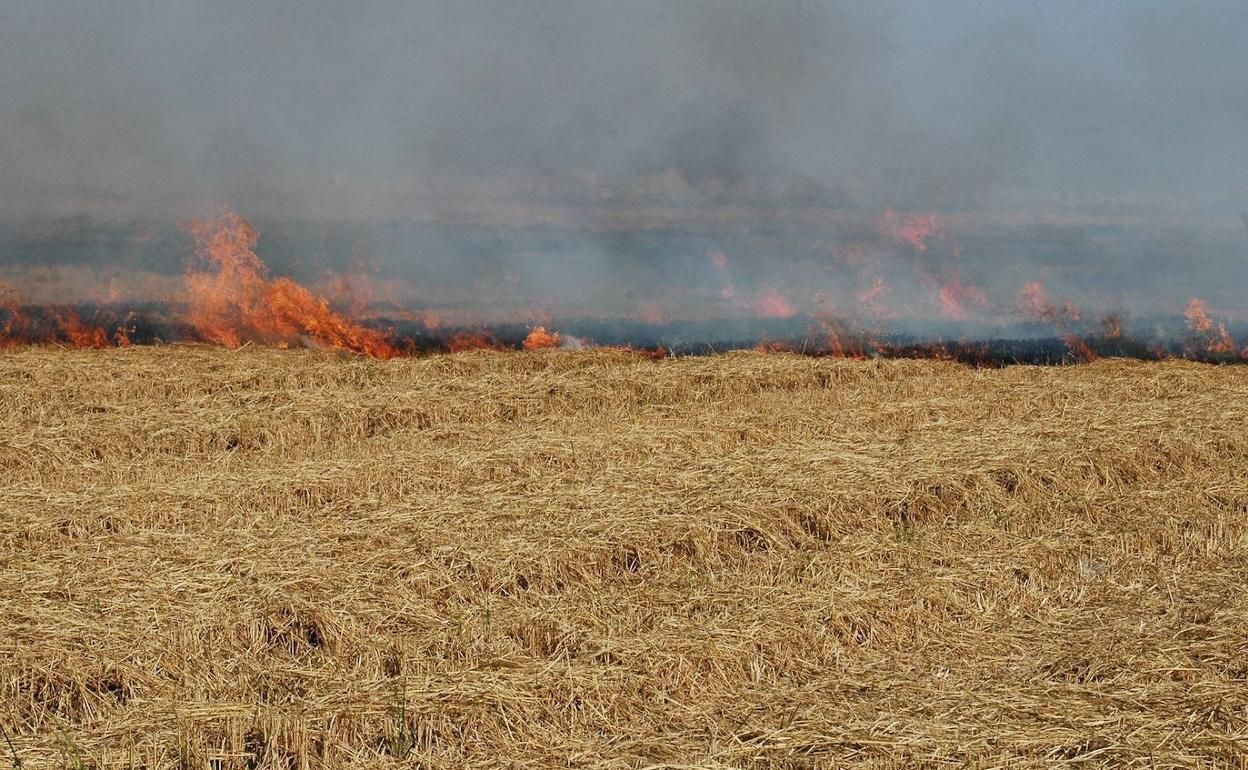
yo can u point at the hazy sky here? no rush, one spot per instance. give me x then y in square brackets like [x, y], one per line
[376, 108]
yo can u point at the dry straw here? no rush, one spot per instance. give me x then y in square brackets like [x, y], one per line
[273, 559]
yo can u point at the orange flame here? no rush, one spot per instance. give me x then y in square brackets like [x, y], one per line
[233, 300]
[67, 326]
[1112, 326]
[1033, 301]
[353, 290]
[540, 339]
[79, 334]
[11, 333]
[482, 340]
[1216, 339]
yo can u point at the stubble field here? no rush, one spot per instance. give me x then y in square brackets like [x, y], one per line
[258, 558]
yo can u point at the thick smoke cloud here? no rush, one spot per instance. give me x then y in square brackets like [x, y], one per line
[600, 148]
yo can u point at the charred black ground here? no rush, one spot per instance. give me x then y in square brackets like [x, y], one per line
[974, 343]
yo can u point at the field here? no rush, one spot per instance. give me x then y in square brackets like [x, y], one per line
[290, 559]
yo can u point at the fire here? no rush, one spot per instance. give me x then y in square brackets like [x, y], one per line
[233, 300]
[1034, 303]
[841, 342]
[540, 339]
[1112, 326]
[227, 296]
[431, 320]
[79, 334]
[14, 322]
[955, 297]
[60, 325]
[1197, 316]
[1213, 335]
[481, 340]
[353, 289]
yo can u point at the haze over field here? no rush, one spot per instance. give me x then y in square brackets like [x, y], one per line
[645, 159]
[648, 384]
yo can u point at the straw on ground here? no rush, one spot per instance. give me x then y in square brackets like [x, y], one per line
[294, 559]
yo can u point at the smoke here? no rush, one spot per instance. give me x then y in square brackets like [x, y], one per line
[590, 155]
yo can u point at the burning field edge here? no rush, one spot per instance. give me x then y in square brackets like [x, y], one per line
[277, 559]
[229, 298]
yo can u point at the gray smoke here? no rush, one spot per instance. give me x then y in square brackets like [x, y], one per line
[592, 154]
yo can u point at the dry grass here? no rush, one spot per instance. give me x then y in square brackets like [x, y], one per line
[278, 559]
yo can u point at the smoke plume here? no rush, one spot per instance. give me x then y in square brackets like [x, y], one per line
[592, 158]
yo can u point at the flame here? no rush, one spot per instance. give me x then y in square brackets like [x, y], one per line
[431, 320]
[1033, 301]
[227, 296]
[479, 340]
[232, 299]
[841, 342]
[955, 296]
[62, 325]
[1112, 326]
[540, 339]
[13, 329]
[353, 290]
[1197, 316]
[79, 334]
[1213, 335]
[1079, 348]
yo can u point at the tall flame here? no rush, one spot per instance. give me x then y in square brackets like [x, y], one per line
[233, 300]
[1212, 335]
[228, 297]
[1034, 303]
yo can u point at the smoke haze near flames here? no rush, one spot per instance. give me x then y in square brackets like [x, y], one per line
[477, 162]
